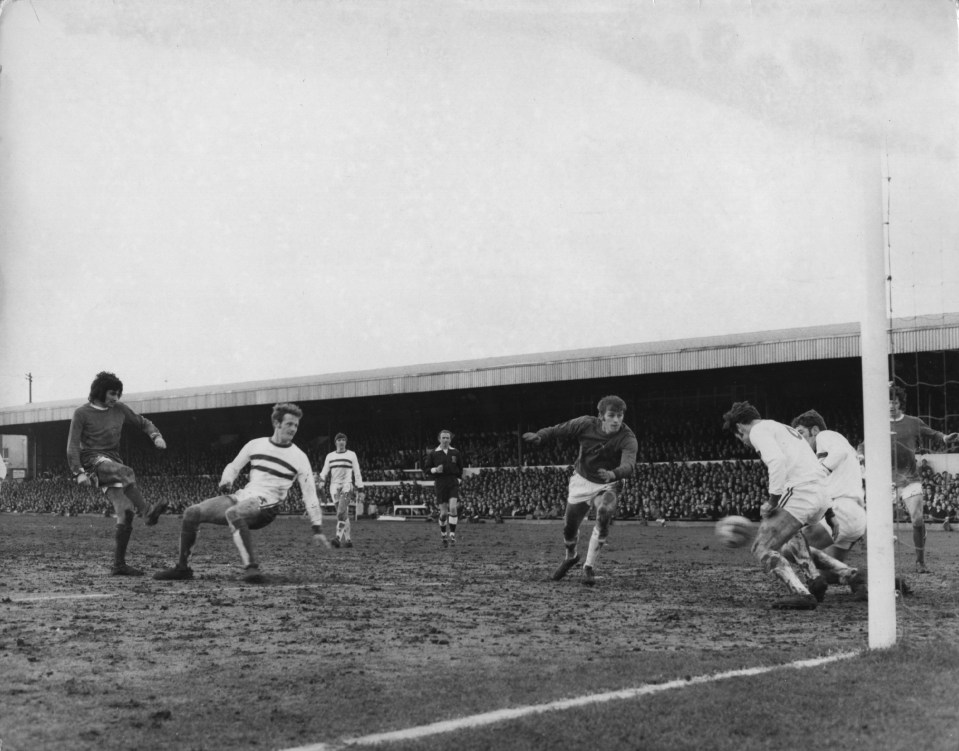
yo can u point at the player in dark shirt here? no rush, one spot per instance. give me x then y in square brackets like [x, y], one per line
[607, 455]
[93, 452]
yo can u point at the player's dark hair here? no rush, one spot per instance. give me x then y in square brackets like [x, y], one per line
[741, 413]
[104, 382]
[810, 419]
[285, 408]
[611, 403]
[897, 393]
[340, 436]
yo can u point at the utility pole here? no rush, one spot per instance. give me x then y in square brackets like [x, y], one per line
[30, 381]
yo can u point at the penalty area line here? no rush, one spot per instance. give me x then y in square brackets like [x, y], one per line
[503, 715]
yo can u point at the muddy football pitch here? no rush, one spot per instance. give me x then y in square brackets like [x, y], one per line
[396, 642]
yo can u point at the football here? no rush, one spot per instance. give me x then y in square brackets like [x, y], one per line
[735, 531]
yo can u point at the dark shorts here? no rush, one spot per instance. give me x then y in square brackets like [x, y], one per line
[445, 492]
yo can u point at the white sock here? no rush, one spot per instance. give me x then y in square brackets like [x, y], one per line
[595, 545]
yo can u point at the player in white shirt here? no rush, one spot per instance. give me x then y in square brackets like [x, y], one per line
[343, 469]
[845, 523]
[275, 464]
[797, 494]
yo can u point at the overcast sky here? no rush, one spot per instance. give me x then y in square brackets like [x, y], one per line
[198, 192]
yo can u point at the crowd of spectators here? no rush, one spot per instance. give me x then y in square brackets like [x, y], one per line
[667, 490]
[392, 455]
[686, 469]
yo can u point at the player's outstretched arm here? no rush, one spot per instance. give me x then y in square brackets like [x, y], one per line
[534, 438]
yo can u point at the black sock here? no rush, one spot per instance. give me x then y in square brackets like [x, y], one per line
[123, 533]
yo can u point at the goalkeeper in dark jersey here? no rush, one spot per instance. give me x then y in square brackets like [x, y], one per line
[93, 453]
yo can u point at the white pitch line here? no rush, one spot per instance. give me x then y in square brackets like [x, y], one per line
[40, 598]
[502, 715]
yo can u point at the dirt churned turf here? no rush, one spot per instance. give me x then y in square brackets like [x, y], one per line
[398, 633]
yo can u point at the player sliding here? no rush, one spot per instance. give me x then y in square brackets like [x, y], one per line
[826, 544]
[275, 463]
[797, 494]
[607, 454]
[93, 453]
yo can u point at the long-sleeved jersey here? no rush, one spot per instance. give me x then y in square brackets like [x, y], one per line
[95, 431]
[615, 452]
[841, 462]
[273, 469]
[787, 456]
[906, 432]
[343, 468]
[451, 462]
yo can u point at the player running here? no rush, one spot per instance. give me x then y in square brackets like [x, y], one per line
[275, 464]
[343, 467]
[906, 432]
[797, 494]
[607, 455]
[93, 454]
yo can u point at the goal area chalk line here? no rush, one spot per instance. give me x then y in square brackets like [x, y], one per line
[503, 715]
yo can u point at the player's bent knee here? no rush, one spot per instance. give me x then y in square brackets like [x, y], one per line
[193, 517]
[265, 517]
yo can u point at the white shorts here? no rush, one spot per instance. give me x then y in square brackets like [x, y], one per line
[251, 500]
[850, 520]
[582, 490]
[337, 491]
[912, 498]
[806, 503]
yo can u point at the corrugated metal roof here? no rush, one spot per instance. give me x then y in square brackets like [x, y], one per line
[921, 334]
